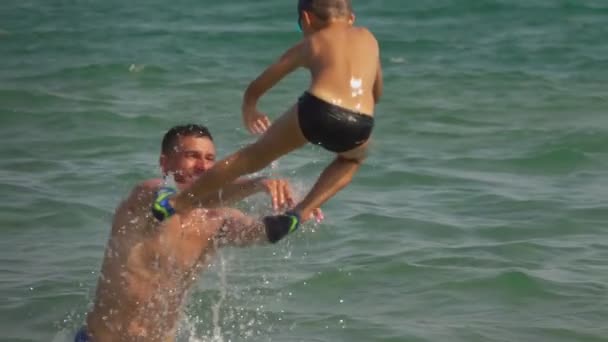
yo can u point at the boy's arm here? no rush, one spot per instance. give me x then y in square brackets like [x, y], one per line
[378, 83]
[291, 59]
[240, 230]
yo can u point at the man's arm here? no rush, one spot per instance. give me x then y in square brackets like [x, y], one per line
[240, 230]
[278, 189]
[234, 192]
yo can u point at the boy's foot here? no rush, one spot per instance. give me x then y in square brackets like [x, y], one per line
[161, 208]
[278, 226]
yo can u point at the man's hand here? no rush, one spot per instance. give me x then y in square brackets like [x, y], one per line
[282, 198]
[317, 214]
[280, 193]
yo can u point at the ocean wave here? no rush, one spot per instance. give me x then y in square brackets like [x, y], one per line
[98, 72]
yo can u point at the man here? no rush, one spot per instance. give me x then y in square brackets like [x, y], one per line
[148, 266]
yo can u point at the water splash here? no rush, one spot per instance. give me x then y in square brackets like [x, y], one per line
[63, 336]
[215, 308]
[231, 314]
[356, 86]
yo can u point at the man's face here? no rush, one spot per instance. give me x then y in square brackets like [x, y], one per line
[191, 156]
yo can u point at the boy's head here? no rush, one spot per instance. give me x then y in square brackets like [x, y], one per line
[314, 14]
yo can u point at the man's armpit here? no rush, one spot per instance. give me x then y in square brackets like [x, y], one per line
[239, 229]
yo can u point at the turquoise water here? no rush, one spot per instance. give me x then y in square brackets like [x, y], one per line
[481, 214]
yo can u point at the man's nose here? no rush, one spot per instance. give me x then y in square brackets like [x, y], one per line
[203, 165]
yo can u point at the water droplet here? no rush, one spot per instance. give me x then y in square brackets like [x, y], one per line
[136, 67]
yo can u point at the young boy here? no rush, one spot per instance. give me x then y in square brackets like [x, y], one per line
[336, 112]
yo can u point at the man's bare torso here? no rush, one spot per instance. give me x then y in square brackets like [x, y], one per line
[148, 268]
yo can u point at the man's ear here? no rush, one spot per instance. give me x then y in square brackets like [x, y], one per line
[352, 18]
[162, 162]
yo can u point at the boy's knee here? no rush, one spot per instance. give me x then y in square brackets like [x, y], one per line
[356, 156]
[351, 159]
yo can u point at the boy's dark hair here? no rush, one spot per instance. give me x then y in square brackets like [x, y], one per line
[326, 9]
[188, 130]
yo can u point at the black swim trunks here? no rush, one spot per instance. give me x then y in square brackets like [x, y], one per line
[332, 127]
[82, 335]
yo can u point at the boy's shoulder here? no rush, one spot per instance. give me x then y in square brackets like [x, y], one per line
[362, 32]
[365, 31]
[315, 44]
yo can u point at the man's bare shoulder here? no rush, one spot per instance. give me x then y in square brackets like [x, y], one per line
[149, 185]
[133, 213]
[141, 194]
[146, 188]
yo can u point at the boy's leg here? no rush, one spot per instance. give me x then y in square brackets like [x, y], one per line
[282, 137]
[333, 179]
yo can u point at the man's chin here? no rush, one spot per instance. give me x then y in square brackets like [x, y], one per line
[184, 185]
[186, 182]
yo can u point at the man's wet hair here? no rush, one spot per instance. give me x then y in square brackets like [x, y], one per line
[188, 130]
[326, 9]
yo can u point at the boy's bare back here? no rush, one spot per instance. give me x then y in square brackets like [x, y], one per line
[344, 62]
[343, 59]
